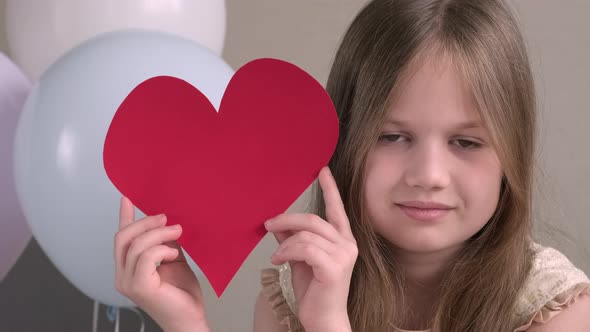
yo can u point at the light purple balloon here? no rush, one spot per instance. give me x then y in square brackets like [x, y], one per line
[14, 230]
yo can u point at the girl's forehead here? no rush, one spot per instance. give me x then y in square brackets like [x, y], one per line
[434, 92]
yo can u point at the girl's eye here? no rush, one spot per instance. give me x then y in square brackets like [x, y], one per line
[462, 143]
[467, 144]
[391, 138]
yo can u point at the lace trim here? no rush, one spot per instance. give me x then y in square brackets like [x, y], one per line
[556, 305]
[271, 289]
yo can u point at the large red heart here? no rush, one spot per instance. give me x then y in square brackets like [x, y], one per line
[221, 175]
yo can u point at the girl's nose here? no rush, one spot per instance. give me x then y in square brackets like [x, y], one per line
[428, 168]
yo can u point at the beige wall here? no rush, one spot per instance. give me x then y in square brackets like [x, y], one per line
[306, 32]
[559, 43]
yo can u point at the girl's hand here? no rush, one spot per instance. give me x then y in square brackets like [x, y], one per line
[151, 271]
[322, 256]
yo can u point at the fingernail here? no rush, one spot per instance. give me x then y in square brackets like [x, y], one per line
[267, 224]
[177, 227]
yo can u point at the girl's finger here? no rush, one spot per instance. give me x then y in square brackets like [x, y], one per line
[126, 213]
[335, 212]
[312, 255]
[307, 237]
[175, 245]
[126, 217]
[295, 222]
[282, 236]
[150, 260]
[124, 237]
[147, 240]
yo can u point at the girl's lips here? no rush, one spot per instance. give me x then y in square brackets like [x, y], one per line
[424, 214]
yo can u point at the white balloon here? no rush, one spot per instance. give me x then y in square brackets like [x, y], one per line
[39, 32]
[60, 180]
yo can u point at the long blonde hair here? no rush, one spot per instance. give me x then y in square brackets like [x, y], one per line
[387, 40]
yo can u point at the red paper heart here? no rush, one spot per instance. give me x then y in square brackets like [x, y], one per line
[221, 175]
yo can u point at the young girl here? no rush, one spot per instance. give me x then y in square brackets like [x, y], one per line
[430, 230]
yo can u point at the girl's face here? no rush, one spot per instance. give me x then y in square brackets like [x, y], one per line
[432, 149]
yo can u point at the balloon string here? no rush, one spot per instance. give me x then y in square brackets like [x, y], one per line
[95, 317]
[114, 314]
[142, 327]
[118, 315]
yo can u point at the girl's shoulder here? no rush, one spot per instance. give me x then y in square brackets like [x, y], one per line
[553, 284]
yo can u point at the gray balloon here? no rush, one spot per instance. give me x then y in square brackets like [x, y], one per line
[62, 186]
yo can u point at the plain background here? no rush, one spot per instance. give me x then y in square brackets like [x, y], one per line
[35, 297]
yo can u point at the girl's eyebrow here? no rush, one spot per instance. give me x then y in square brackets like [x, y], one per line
[458, 126]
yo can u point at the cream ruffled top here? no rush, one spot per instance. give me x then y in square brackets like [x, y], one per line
[554, 283]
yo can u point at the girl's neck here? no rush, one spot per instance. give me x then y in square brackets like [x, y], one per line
[425, 269]
[423, 273]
